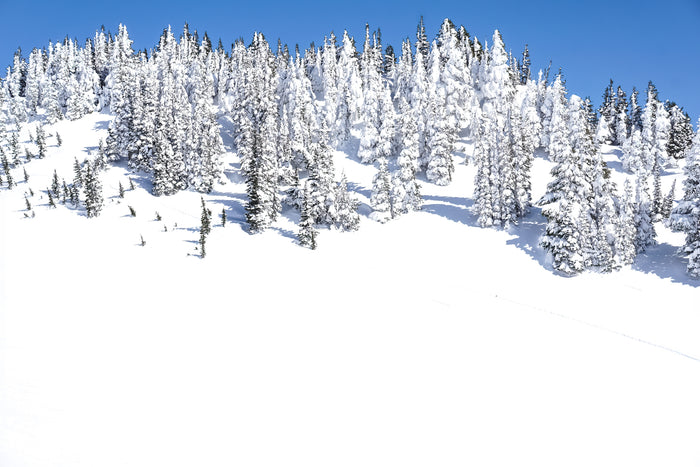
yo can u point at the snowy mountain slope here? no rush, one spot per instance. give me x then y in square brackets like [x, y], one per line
[423, 341]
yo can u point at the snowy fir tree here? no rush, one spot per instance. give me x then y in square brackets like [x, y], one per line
[646, 233]
[405, 189]
[345, 215]
[307, 231]
[94, 200]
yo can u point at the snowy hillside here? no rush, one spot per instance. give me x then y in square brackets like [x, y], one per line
[463, 323]
[424, 341]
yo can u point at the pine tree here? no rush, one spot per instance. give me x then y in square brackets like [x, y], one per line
[681, 134]
[626, 234]
[685, 217]
[26, 175]
[667, 206]
[307, 232]
[223, 217]
[14, 148]
[93, 192]
[646, 234]
[6, 168]
[121, 190]
[405, 188]
[41, 141]
[77, 174]
[52, 203]
[55, 185]
[381, 200]
[204, 229]
[345, 208]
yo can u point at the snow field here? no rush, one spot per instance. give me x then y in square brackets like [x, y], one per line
[423, 341]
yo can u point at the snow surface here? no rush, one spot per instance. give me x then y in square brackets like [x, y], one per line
[423, 341]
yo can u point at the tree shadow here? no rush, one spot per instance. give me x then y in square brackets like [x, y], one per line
[453, 208]
[663, 261]
[102, 125]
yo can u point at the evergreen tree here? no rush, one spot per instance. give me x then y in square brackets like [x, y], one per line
[6, 169]
[204, 229]
[307, 232]
[626, 234]
[41, 141]
[223, 217]
[405, 188]
[635, 111]
[93, 192]
[345, 208]
[667, 206]
[55, 185]
[681, 134]
[381, 200]
[646, 234]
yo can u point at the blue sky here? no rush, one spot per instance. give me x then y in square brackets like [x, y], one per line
[592, 41]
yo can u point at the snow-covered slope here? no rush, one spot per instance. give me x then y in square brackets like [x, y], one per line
[423, 341]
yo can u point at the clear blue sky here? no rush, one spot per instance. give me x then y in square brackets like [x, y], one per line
[592, 40]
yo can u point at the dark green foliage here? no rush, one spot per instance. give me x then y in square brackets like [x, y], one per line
[131, 185]
[14, 148]
[132, 211]
[41, 141]
[55, 185]
[26, 175]
[66, 193]
[52, 203]
[6, 169]
[681, 136]
[93, 192]
[667, 206]
[223, 217]
[74, 195]
[59, 140]
[158, 218]
[307, 231]
[28, 204]
[121, 190]
[31, 192]
[205, 228]
[525, 66]
[77, 174]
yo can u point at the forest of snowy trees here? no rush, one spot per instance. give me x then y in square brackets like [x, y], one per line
[291, 109]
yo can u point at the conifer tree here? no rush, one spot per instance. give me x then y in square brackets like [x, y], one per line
[93, 192]
[670, 197]
[646, 234]
[345, 208]
[55, 185]
[41, 141]
[204, 229]
[307, 232]
[14, 148]
[381, 200]
[626, 234]
[405, 188]
[52, 203]
[6, 169]
[681, 133]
